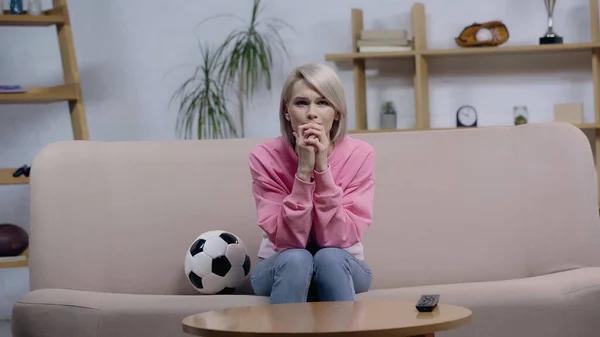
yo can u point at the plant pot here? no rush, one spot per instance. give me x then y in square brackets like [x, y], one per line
[520, 120]
[388, 121]
[521, 114]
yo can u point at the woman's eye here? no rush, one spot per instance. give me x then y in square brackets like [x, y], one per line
[300, 102]
[323, 102]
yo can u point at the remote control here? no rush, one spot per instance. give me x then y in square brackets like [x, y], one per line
[427, 303]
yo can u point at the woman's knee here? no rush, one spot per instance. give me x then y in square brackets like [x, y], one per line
[288, 266]
[261, 277]
[331, 258]
[297, 260]
[334, 265]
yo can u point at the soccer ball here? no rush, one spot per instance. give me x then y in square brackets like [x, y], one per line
[217, 263]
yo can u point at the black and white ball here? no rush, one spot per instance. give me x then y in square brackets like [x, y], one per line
[217, 263]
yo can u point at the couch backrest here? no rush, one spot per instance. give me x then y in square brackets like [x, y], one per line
[451, 206]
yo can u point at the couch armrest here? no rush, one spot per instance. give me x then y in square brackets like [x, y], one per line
[61, 312]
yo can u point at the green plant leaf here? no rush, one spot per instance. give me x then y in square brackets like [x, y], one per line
[238, 66]
[202, 101]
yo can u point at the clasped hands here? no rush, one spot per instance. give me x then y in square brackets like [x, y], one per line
[312, 147]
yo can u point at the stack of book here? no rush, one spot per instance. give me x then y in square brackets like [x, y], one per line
[6, 89]
[383, 40]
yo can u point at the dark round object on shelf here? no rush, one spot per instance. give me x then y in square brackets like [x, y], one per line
[14, 240]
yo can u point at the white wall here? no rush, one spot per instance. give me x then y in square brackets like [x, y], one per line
[129, 55]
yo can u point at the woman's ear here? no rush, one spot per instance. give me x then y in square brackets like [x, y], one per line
[287, 115]
[337, 116]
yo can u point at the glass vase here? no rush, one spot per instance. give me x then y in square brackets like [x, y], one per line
[16, 6]
[388, 116]
[34, 7]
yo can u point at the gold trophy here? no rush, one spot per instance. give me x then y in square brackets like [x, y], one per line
[551, 37]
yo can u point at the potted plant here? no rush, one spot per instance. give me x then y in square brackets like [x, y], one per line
[237, 67]
[520, 113]
[388, 116]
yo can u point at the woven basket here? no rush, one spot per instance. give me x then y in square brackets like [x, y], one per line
[468, 37]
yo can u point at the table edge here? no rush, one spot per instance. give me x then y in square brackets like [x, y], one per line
[406, 331]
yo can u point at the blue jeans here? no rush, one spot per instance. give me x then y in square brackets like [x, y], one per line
[287, 276]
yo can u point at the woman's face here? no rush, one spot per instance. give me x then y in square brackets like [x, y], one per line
[306, 105]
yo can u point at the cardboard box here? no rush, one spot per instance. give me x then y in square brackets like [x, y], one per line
[569, 113]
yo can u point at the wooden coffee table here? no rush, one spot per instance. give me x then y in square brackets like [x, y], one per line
[353, 319]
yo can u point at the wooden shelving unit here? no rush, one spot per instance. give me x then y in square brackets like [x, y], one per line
[69, 92]
[580, 126]
[421, 54]
[49, 18]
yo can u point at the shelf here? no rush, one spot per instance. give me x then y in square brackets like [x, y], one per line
[357, 56]
[48, 18]
[587, 126]
[6, 177]
[16, 264]
[532, 49]
[580, 126]
[42, 95]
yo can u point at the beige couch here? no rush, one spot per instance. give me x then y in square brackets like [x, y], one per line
[501, 220]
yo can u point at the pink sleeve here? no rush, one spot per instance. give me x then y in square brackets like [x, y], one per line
[286, 217]
[342, 216]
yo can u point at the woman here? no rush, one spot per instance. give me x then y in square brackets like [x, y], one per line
[314, 189]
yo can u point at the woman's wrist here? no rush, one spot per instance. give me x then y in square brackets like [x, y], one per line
[303, 175]
[321, 168]
[321, 162]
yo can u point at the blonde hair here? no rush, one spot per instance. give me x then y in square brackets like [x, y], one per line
[326, 82]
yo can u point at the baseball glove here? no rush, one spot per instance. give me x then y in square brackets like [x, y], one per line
[468, 37]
